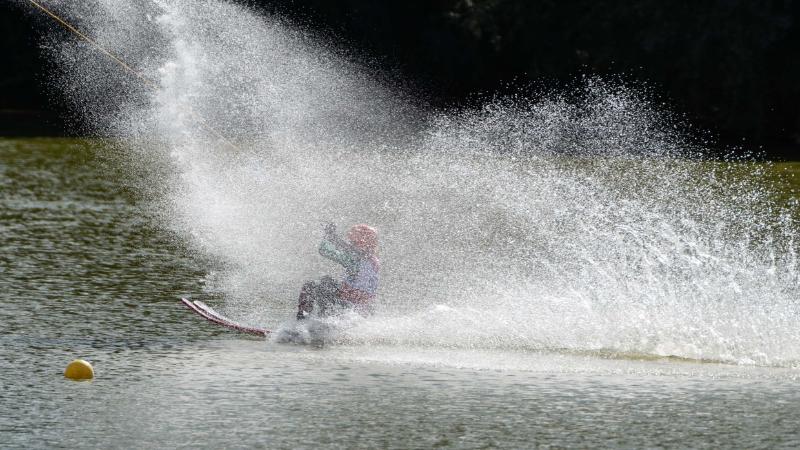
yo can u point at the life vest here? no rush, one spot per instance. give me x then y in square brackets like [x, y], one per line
[360, 287]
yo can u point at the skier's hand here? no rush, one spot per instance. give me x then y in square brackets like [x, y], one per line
[330, 229]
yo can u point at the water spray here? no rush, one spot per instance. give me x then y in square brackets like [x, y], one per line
[569, 223]
[148, 82]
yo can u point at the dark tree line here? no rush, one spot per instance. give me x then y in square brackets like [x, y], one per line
[732, 66]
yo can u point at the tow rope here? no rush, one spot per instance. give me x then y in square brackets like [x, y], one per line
[148, 82]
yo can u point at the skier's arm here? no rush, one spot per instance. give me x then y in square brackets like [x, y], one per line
[336, 249]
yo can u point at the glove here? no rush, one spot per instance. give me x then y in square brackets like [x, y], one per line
[330, 229]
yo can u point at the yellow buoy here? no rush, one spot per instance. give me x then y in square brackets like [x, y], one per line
[79, 370]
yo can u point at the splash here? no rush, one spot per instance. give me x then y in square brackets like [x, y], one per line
[580, 223]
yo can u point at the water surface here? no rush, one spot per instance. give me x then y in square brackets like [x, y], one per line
[84, 273]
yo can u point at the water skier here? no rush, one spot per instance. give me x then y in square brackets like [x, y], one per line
[356, 291]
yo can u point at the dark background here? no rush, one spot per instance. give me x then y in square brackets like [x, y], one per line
[731, 67]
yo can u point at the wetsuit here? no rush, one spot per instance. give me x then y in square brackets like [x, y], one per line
[356, 290]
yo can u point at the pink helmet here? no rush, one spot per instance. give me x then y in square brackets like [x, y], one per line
[363, 237]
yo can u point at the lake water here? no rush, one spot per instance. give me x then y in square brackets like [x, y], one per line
[84, 274]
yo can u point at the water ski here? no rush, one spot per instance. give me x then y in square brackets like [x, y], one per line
[212, 316]
[308, 331]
